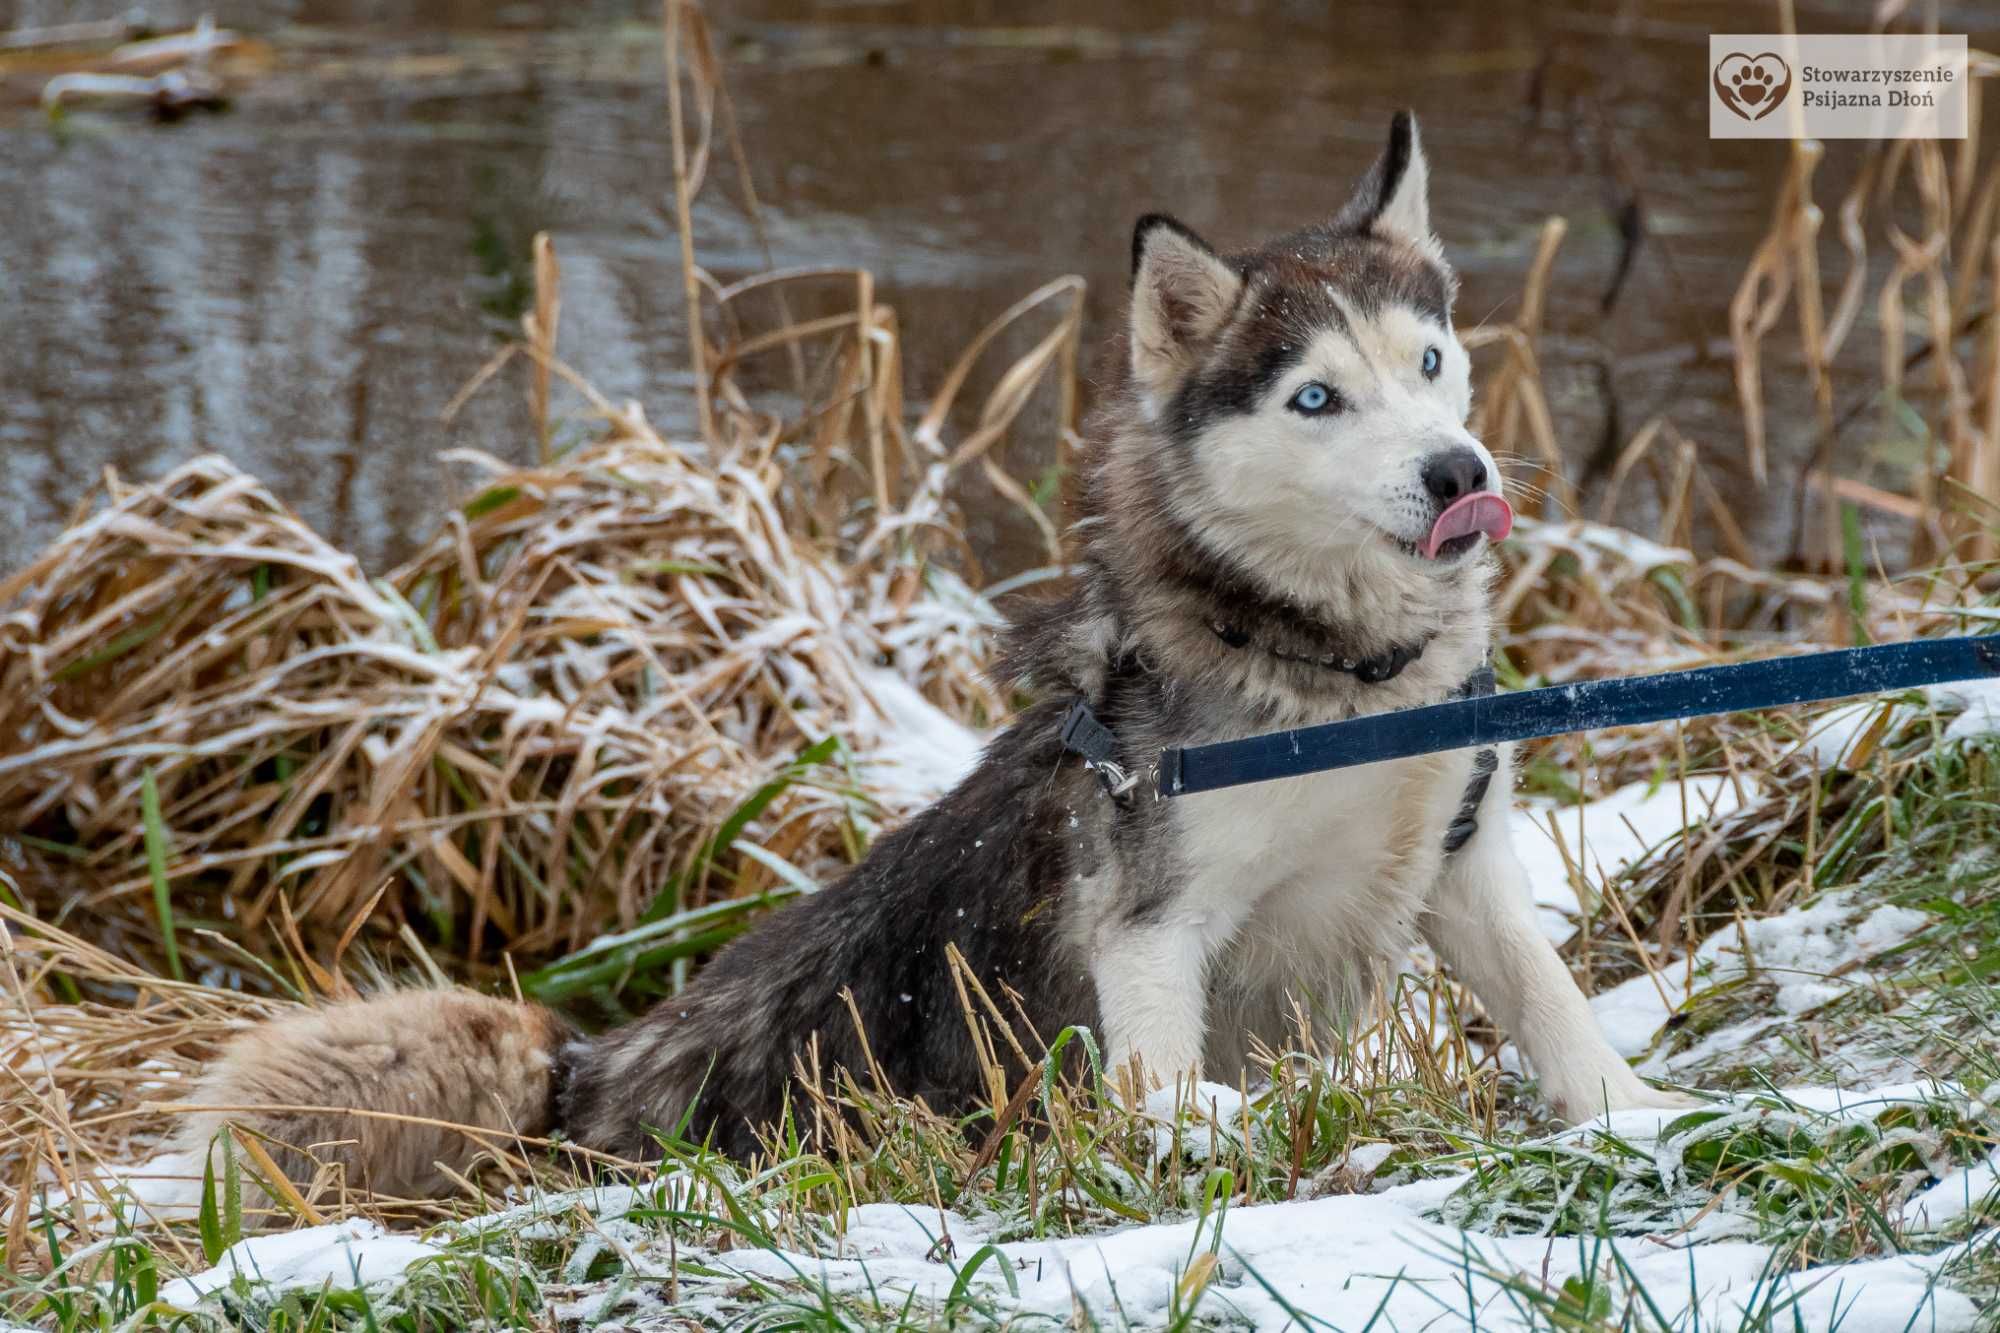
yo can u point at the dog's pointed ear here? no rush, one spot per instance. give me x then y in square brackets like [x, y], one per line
[1182, 293]
[1393, 199]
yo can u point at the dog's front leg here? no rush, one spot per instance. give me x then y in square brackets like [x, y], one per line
[1482, 923]
[1150, 991]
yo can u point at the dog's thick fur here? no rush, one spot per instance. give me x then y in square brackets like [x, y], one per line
[1243, 565]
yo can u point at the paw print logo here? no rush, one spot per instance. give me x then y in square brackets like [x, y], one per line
[1752, 86]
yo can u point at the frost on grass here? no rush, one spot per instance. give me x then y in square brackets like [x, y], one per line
[1778, 968]
[1405, 1255]
[525, 732]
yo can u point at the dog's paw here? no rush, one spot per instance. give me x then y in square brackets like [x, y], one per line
[1627, 1095]
[1660, 1099]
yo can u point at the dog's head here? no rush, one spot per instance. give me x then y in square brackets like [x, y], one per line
[1310, 395]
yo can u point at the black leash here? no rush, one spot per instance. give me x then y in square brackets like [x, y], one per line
[1493, 719]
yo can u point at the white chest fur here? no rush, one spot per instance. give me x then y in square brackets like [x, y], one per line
[1311, 884]
[1343, 829]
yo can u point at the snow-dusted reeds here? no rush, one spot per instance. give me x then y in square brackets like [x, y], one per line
[517, 741]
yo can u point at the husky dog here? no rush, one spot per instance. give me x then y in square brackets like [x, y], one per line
[1284, 521]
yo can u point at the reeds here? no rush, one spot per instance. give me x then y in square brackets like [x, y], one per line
[1949, 264]
[1919, 225]
[1511, 399]
[527, 732]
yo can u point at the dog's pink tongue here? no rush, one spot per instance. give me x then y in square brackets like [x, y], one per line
[1481, 511]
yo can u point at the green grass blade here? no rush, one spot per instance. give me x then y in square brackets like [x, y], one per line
[209, 1219]
[646, 947]
[124, 643]
[156, 866]
[971, 1270]
[1857, 572]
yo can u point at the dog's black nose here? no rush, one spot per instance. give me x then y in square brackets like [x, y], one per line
[1454, 472]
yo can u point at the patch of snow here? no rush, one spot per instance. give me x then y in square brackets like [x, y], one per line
[1976, 704]
[345, 1255]
[531, 1218]
[1979, 701]
[1864, 1103]
[1216, 1101]
[163, 1188]
[1956, 1195]
[1212, 1108]
[1367, 1158]
[920, 751]
[1606, 835]
[1799, 951]
[884, 1230]
[1833, 733]
[1632, 1012]
[1350, 1254]
[1639, 1124]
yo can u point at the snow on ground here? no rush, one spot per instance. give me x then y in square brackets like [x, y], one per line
[344, 1255]
[1979, 701]
[1954, 1196]
[1974, 706]
[1345, 1257]
[1340, 1258]
[1597, 839]
[1835, 733]
[1799, 951]
[164, 1188]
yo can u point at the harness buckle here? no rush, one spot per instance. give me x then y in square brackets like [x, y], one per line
[1084, 736]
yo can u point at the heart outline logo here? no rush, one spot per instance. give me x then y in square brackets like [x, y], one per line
[1752, 86]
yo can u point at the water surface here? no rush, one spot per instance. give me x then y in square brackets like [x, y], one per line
[302, 282]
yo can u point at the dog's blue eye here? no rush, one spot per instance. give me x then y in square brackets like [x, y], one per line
[1313, 400]
[1433, 362]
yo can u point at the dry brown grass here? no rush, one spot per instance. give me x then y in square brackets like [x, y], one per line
[1512, 401]
[526, 733]
[1948, 195]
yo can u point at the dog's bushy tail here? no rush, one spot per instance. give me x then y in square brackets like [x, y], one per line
[396, 1092]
